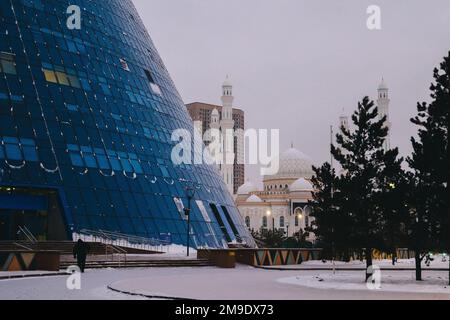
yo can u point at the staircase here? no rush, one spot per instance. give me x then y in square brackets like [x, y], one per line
[150, 263]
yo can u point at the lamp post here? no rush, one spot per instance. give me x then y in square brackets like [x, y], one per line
[190, 192]
[300, 217]
[269, 213]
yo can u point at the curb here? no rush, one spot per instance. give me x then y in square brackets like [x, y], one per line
[37, 275]
[147, 295]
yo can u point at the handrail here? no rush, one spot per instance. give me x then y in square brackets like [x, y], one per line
[27, 233]
[30, 234]
[124, 240]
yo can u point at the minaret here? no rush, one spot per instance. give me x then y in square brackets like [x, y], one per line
[383, 110]
[227, 128]
[343, 120]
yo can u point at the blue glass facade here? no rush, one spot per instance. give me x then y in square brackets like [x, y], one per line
[89, 113]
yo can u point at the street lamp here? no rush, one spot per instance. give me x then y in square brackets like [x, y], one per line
[190, 193]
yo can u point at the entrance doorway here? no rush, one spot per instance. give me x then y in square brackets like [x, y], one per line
[11, 222]
[35, 210]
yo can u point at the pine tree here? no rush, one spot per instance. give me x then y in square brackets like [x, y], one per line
[331, 224]
[364, 162]
[431, 163]
[392, 201]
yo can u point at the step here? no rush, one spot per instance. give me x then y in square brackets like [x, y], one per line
[141, 265]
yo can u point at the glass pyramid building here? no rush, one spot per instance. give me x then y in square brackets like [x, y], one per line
[86, 117]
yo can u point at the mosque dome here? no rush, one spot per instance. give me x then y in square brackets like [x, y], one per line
[301, 185]
[247, 188]
[254, 198]
[293, 164]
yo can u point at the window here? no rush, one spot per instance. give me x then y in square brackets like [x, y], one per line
[7, 64]
[12, 148]
[203, 211]
[282, 222]
[149, 76]
[247, 221]
[29, 149]
[72, 107]
[155, 88]
[296, 221]
[55, 74]
[264, 222]
[50, 76]
[18, 149]
[124, 65]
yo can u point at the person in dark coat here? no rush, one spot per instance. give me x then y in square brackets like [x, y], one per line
[80, 252]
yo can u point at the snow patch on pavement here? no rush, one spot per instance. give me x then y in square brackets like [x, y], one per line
[390, 281]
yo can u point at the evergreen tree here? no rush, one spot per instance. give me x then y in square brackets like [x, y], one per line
[431, 163]
[391, 199]
[331, 224]
[365, 165]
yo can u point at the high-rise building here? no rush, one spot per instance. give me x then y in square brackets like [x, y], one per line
[224, 117]
[86, 117]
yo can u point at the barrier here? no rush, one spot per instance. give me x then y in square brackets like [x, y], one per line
[30, 261]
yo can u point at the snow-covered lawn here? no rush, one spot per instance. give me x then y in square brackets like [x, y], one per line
[390, 281]
[438, 263]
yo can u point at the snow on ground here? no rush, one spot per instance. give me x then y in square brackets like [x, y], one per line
[438, 262]
[390, 281]
[242, 283]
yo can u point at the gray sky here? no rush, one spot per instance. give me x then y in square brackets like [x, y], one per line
[295, 64]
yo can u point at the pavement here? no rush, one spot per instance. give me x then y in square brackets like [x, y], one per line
[209, 283]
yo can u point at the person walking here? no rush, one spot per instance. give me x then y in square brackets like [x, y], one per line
[80, 252]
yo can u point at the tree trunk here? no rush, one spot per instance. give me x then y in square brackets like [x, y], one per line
[418, 266]
[368, 255]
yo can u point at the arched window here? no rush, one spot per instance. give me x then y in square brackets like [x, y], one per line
[264, 222]
[281, 222]
[247, 221]
[308, 212]
[298, 216]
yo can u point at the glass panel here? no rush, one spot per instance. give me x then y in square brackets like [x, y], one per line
[13, 152]
[50, 76]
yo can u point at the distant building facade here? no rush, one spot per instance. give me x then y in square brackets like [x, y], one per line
[283, 203]
[224, 117]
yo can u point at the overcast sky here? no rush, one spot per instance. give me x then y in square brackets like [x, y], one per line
[295, 64]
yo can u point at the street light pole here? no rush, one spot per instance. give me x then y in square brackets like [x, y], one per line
[190, 192]
[273, 225]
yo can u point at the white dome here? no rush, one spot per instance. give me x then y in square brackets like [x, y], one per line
[294, 164]
[247, 188]
[254, 198]
[215, 112]
[301, 185]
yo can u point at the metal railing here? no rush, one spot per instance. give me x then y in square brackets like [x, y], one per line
[124, 240]
[28, 234]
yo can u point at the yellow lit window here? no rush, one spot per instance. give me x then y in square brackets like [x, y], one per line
[50, 76]
[62, 78]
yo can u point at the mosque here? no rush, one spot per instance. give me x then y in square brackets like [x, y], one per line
[283, 202]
